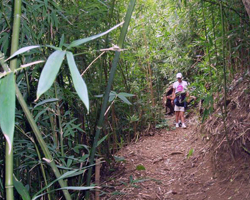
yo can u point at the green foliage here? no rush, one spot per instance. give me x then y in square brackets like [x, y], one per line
[190, 153]
[7, 107]
[50, 71]
[140, 167]
[79, 83]
[22, 50]
[82, 41]
[46, 101]
[21, 189]
[163, 124]
[68, 174]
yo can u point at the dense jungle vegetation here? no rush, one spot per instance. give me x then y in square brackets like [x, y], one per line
[60, 123]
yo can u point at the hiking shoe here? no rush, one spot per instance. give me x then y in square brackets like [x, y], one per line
[184, 126]
[177, 125]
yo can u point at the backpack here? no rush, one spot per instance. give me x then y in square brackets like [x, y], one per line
[180, 100]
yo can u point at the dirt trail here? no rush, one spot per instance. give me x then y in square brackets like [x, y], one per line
[177, 166]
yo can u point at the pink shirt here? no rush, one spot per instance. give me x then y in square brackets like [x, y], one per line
[180, 87]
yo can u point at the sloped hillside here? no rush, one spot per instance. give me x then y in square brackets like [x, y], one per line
[231, 141]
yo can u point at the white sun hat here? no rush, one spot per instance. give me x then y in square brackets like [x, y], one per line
[179, 75]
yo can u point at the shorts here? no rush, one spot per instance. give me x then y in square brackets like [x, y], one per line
[179, 108]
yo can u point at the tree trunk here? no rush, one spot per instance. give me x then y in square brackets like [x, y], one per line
[247, 6]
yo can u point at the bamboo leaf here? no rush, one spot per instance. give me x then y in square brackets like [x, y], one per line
[39, 114]
[21, 189]
[67, 188]
[53, 47]
[50, 71]
[23, 50]
[77, 188]
[99, 96]
[7, 107]
[112, 96]
[81, 41]
[78, 81]
[124, 99]
[126, 94]
[65, 175]
[101, 140]
[61, 41]
[46, 101]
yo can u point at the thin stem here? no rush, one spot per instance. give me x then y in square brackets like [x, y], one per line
[59, 122]
[53, 127]
[92, 63]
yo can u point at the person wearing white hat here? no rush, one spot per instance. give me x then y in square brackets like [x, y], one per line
[179, 99]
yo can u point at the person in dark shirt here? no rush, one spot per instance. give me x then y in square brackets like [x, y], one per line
[168, 98]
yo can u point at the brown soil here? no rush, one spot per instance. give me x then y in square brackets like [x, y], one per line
[173, 172]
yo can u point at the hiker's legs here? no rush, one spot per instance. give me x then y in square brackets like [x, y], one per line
[182, 119]
[181, 115]
[177, 115]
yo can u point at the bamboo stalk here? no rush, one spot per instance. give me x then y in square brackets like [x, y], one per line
[207, 48]
[15, 33]
[225, 82]
[9, 150]
[59, 123]
[149, 70]
[149, 76]
[97, 177]
[53, 127]
[9, 172]
[215, 43]
[108, 88]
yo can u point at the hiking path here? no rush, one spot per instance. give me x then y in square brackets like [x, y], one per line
[173, 164]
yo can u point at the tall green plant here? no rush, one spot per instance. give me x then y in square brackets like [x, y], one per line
[7, 99]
